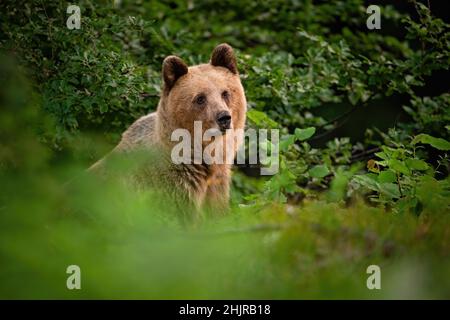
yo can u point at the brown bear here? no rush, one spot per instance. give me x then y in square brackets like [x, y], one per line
[210, 94]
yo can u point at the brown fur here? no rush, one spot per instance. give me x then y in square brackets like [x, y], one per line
[201, 185]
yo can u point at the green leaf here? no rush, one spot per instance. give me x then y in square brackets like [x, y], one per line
[319, 171]
[286, 142]
[103, 108]
[417, 164]
[382, 155]
[367, 181]
[304, 134]
[387, 176]
[399, 166]
[390, 189]
[437, 143]
[261, 119]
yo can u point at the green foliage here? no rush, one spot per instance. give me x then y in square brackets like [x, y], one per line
[399, 175]
[437, 143]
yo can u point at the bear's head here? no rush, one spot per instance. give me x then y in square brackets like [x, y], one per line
[209, 93]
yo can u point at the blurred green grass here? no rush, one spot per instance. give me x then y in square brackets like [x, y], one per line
[129, 248]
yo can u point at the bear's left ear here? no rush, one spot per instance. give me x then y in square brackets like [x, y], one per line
[223, 56]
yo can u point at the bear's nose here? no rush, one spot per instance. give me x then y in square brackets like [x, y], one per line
[223, 120]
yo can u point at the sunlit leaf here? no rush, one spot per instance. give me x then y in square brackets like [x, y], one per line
[319, 171]
[304, 134]
[437, 143]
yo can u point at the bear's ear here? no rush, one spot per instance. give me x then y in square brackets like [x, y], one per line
[173, 68]
[223, 56]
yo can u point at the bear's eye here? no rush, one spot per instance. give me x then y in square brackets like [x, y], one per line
[200, 99]
[225, 95]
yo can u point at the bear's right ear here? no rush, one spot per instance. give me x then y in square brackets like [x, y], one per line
[173, 68]
[223, 56]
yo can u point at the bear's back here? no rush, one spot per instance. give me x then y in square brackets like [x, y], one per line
[140, 134]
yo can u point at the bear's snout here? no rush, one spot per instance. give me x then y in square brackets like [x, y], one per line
[223, 119]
